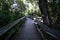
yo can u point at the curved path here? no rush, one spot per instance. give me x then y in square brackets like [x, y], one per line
[28, 32]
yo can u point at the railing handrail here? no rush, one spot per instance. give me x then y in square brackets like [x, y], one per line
[46, 29]
[4, 29]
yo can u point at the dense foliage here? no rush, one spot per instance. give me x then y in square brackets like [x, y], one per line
[50, 9]
[8, 13]
[54, 13]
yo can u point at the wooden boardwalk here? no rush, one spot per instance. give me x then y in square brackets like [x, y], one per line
[27, 32]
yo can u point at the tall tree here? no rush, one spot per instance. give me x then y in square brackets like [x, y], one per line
[44, 10]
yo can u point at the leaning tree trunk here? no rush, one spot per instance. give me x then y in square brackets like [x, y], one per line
[44, 10]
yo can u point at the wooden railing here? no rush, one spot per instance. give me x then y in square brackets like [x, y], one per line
[10, 29]
[41, 28]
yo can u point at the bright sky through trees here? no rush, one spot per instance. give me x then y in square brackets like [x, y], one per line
[30, 7]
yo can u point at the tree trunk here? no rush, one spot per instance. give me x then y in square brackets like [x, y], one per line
[44, 10]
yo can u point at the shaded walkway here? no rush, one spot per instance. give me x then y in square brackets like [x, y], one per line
[28, 32]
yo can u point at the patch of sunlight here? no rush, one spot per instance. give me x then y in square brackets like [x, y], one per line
[50, 0]
[28, 5]
[26, 14]
[14, 6]
[40, 19]
[34, 18]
